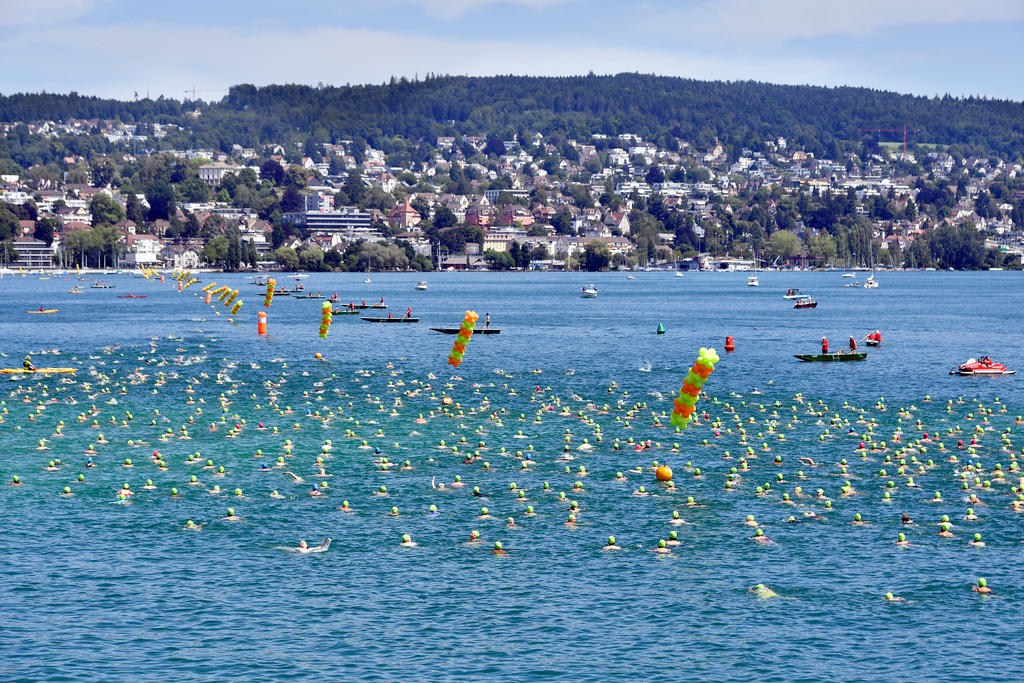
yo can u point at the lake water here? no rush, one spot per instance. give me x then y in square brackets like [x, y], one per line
[91, 589]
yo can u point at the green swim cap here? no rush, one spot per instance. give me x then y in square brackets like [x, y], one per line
[67, 489]
[673, 535]
[661, 543]
[406, 538]
[483, 511]
[497, 545]
[433, 508]
[982, 583]
[231, 512]
[394, 510]
[889, 596]
[238, 492]
[174, 492]
[611, 540]
[901, 537]
[977, 537]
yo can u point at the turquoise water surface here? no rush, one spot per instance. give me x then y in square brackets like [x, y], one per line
[95, 589]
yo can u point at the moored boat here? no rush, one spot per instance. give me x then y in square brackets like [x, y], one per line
[831, 357]
[982, 365]
[455, 330]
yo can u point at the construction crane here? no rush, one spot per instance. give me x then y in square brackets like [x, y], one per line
[903, 130]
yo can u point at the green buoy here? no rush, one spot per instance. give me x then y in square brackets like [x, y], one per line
[661, 329]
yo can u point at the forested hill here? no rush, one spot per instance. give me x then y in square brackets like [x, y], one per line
[823, 120]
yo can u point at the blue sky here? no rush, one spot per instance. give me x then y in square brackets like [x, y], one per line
[115, 48]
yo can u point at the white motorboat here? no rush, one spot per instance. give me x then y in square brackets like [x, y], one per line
[421, 285]
[588, 291]
[752, 281]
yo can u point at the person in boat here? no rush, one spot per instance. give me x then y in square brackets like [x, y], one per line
[382, 300]
[876, 336]
[408, 312]
[27, 365]
[824, 345]
[487, 321]
[853, 345]
[985, 360]
[41, 309]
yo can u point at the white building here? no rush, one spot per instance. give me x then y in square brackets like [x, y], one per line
[142, 250]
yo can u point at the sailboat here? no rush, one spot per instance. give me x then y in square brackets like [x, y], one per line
[752, 280]
[871, 283]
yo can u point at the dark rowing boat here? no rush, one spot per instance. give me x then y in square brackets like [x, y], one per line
[826, 357]
[391, 320]
[455, 330]
[344, 311]
[364, 306]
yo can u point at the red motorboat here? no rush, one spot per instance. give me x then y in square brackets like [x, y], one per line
[981, 366]
[806, 302]
[131, 296]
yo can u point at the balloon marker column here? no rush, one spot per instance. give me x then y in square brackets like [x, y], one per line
[465, 332]
[325, 321]
[271, 284]
[690, 392]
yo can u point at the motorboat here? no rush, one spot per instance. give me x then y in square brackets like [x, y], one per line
[367, 280]
[752, 281]
[855, 283]
[588, 291]
[806, 302]
[871, 282]
[421, 286]
[795, 294]
[983, 365]
[848, 275]
[630, 277]
[679, 274]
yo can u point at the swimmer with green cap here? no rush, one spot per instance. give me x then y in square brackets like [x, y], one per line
[977, 542]
[982, 587]
[889, 597]
[407, 541]
[611, 545]
[763, 591]
[231, 516]
[759, 537]
[662, 547]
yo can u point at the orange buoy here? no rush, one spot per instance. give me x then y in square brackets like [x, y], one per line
[208, 297]
[261, 323]
[729, 345]
[663, 473]
[446, 401]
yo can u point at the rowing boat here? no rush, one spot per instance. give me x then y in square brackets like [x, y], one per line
[38, 371]
[455, 330]
[830, 356]
[344, 311]
[391, 320]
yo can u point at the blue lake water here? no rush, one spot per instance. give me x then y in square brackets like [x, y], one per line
[95, 590]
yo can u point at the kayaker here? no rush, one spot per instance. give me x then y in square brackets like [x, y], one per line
[853, 345]
[824, 345]
[27, 365]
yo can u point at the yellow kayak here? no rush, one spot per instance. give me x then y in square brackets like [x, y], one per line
[48, 310]
[43, 371]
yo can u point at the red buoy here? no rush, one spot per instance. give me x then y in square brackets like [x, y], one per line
[729, 345]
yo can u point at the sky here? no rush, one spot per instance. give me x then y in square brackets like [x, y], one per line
[120, 49]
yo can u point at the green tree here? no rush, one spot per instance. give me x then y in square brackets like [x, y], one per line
[444, 217]
[46, 226]
[103, 172]
[784, 244]
[498, 260]
[311, 258]
[562, 222]
[287, 258]
[215, 252]
[354, 187]
[133, 209]
[104, 210]
[596, 255]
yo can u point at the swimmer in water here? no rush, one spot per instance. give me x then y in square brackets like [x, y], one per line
[611, 545]
[303, 547]
[763, 591]
[759, 537]
[662, 547]
[982, 587]
[407, 541]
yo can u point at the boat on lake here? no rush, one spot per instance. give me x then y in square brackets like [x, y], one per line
[421, 286]
[983, 365]
[455, 330]
[806, 302]
[391, 320]
[831, 357]
[795, 294]
[588, 291]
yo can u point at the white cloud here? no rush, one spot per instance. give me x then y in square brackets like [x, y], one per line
[118, 60]
[453, 9]
[779, 20]
[21, 13]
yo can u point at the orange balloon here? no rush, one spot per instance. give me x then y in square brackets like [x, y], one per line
[663, 473]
